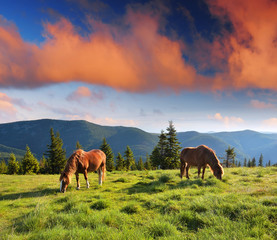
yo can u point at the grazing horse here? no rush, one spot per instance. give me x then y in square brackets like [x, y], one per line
[83, 162]
[200, 156]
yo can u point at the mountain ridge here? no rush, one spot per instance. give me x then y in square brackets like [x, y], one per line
[36, 134]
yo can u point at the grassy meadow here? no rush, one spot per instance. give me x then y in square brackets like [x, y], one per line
[142, 205]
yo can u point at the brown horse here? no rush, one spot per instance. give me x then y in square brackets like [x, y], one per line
[200, 156]
[83, 162]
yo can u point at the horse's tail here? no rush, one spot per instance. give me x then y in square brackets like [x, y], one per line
[103, 167]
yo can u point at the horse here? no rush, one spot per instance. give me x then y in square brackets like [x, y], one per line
[83, 162]
[200, 156]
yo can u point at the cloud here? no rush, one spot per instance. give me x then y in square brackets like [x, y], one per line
[271, 122]
[227, 121]
[134, 55]
[260, 104]
[85, 93]
[252, 58]
[7, 109]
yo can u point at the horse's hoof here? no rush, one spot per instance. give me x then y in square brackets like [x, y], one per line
[78, 188]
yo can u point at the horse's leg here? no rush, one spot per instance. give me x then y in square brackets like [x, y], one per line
[77, 179]
[86, 178]
[100, 175]
[199, 171]
[203, 172]
[187, 171]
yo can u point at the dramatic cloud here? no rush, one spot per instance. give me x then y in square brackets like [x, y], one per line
[252, 60]
[135, 56]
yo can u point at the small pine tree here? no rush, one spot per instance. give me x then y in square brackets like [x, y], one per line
[105, 147]
[56, 154]
[261, 160]
[129, 158]
[119, 162]
[140, 164]
[3, 167]
[147, 163]
[155, 158]
[230, 157]
[13, 165]
[249, 163]
[29, 163]
[269, 163]
[78, 145]
[239, 164]
[173, 148]
[245, 162]
[253, 164]
[43, 167]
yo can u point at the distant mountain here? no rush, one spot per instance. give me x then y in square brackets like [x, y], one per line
[37, 135]
[14, 137]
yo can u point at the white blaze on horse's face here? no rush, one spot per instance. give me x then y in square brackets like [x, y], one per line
[61, 185]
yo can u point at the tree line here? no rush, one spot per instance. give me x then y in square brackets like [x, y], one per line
[165, 155]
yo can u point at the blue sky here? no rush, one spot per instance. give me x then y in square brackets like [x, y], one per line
[202, 64]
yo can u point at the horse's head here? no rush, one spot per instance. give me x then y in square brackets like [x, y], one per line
[218, 172]
[64, 182]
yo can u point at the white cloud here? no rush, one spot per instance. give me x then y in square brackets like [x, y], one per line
[227, 121]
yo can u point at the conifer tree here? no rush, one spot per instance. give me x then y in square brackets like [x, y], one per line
[147, 163]
[140, 164]
[253, 163]
[245, 162]
[230, 157]
[249, 163]
[29, 162]
[43, 167]
[13, 165]
[119, 162]
[78, 145]
[172, 148]
[129, 160]
[56, 154]
[3, 167]
[269, 163]
[261, 160]
[155, 157]
[105, 147]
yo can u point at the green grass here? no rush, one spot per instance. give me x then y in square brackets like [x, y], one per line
[142, 205]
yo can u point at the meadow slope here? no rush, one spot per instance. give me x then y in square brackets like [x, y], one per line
[142, 205]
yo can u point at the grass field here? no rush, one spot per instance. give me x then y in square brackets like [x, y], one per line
[142, 205]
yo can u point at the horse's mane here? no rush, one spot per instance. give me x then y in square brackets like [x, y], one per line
[214, 162]
[72, 162]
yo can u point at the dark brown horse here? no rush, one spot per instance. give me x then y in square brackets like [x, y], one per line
[83, 162]
[200, 156]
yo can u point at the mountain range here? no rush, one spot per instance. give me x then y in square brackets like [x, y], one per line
[36, 134]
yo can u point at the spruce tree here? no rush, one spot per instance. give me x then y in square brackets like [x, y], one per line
[43, 166]
[269, 163]
[261, 160]
[230, 157]
[253, 163]
[29, 163]
[129, 158]
[105, 147]
[155, 157]
[173, 148]
[140, 164]
[56, 158]
[3, 167]
[13, 165]
[119, 162]
[78, 145]
[147, 163]
[245, 162]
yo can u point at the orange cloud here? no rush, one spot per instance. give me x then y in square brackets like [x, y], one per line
[261, 105]
[84, 92]
[141, 58]
[253, 59]
[228, 121]
[7, 109]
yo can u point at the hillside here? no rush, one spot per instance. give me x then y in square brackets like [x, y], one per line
[15, 136]
[37, 135]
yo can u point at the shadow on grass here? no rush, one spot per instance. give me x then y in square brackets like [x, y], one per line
[160, 186]
[31, 194]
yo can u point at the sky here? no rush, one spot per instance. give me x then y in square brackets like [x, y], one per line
[206, 65]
